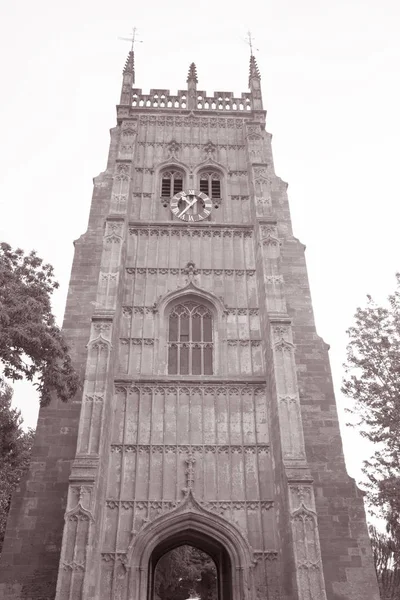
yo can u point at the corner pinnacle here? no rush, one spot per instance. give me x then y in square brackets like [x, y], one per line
[129, 64]
[254, 70]
[192, 75]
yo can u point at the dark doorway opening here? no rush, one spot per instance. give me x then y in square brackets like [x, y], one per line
[190, 565]
[185, 572]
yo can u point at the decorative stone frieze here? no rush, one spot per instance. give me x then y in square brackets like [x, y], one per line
[185, 449]
[183, 271]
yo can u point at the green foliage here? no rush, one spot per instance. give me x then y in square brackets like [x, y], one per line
[185, 571]
[372, 382]
[15, 451]
[387, 563]
[31, 344]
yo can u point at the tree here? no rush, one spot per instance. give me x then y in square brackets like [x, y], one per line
[15, 451]
[31, 344]
[372, 382]
[184, 571]
[387, 564]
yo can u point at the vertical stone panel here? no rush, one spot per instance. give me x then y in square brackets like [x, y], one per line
[114, 478]
[132, 416]
[130, 465]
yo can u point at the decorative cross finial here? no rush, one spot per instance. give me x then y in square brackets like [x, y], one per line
[249, 41]
[131, 39]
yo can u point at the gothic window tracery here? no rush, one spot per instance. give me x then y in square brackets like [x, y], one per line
[171, 182]
[210, 184]
[190, 339]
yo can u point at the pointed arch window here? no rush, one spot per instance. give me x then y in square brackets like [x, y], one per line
[190, 339]
[210, 184]
[171, 182]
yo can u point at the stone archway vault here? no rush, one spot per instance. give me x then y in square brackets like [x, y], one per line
[192, 523]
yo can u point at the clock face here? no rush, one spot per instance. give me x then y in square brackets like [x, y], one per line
[191, 206]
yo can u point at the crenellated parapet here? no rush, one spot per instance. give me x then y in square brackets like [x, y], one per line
[163, 99]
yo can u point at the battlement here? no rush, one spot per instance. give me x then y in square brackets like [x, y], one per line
[158, 98]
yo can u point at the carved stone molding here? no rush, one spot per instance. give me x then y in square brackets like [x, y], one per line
[138, 341]
[259, 449]
[189, 121]
[127, 311]
[129, 128]
[194, 145]
[263, 555]
[191, 231]
[242, 342]
[118, 202]
[238, 173]
[284, 346]
[241, 198]
[243, 311]
[192, 388]
[219, 506]
[144, 170]
[115, 557]
[95, 398]
[73, 566]
[183, 271]
[122, 171]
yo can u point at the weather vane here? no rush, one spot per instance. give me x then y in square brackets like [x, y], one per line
[131, 39]
[249, 40]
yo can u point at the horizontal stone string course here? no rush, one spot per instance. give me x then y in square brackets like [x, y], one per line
[185, 449]
[243, 342]
[191, 145]
[138, 341]
[167, 505]
[190, 231]
[123, 558]
[265, 555]
[166, 271]
[219, 389]
[192, 121]
[147, 310]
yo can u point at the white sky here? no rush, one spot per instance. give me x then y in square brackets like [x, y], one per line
[330, 78]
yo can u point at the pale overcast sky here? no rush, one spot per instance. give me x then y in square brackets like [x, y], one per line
[330, 80]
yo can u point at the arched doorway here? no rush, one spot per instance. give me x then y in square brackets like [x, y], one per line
[185, 572]
[192, 524]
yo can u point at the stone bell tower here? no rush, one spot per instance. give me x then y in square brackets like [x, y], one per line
[207, 415]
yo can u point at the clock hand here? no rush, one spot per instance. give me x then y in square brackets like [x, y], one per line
[185, 198]
[188, 206]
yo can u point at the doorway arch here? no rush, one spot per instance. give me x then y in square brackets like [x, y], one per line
[191, 523]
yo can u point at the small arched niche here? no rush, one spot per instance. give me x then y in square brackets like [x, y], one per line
[185, 571]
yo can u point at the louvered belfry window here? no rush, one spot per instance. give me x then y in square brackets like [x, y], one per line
[190, 344]
[171, 183]
[210, 184]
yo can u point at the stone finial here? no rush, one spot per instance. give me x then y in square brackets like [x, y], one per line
[254, 72]
[192, 75]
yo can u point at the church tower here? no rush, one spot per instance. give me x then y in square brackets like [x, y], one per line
[207, 415]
